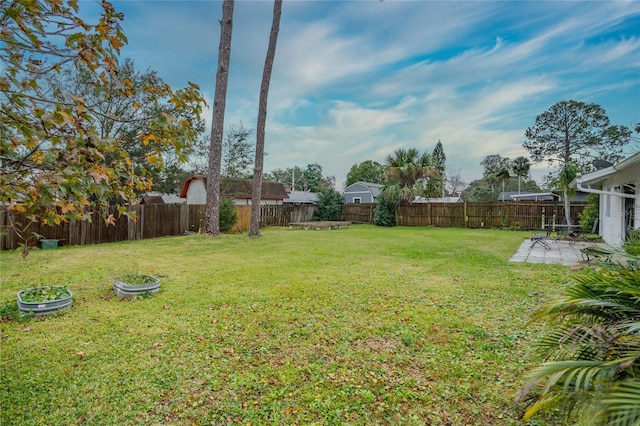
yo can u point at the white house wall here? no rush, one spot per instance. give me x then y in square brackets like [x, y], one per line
[612, 226]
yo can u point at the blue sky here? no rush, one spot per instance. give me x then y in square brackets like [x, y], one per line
[356, 80]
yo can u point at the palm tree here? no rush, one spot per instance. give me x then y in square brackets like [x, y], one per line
[503, 174]
[520, 167]
[593, 349]
[405, 170]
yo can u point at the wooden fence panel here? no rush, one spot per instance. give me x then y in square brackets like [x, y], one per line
[244, 217]
[156, 220]
[447, 214]
[358, 213]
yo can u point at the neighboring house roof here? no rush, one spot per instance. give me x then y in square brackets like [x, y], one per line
[373, 188]
[598, 176]
[438, 200]
[240, 188]
[302, 197]
[540, 196]
[530, 196]
[151, 199]
[159, 198]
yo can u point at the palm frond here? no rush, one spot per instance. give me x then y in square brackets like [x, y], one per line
[592, 349]
[621, 407]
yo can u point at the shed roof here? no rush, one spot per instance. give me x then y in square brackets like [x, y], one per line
[240, 188]
[373, 188]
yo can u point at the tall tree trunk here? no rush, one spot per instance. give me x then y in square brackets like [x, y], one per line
[254, 227]
[212, 214]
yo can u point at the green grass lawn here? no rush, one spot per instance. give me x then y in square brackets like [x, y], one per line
[359, 326]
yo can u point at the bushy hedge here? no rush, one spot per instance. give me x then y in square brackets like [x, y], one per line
[385, 213]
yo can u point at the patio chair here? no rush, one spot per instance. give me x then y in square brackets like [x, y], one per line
[540, 239]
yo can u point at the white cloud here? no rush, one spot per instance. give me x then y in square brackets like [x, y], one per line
[355, 80]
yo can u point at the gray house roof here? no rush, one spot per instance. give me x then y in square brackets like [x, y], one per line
[528, 196]
[540, 196]
[301, 197]
[373, 188]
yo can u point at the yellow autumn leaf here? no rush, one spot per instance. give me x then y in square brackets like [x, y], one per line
[18, 208]
[149, 138]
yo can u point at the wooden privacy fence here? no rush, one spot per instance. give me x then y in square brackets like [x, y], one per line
[521, 215]
[153, 220]
[358, 213]
[158, 220]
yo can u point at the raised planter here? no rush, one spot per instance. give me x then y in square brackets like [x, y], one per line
[44, 300]
[48, 244]
[136, 285]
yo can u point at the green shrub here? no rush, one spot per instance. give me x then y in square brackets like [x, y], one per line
[590, 213]
[228, 215]
[385, 213]
[632, 245]
[329, 205]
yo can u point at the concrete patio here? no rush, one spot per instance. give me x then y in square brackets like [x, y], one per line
[561, 252]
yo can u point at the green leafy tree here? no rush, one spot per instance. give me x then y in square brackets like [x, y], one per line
[479, 191]
[170, 179]
[291, 176]
[55, 163]
[312, 179]
[367, 171]
[439, 160]
[128, 108]
[592, 352]
[237, 152]
[572, 131]
[494, 163]
[330, 204]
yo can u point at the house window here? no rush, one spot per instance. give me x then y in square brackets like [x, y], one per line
[357, 200]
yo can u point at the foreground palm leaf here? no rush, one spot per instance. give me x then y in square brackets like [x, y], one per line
[593, 350]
